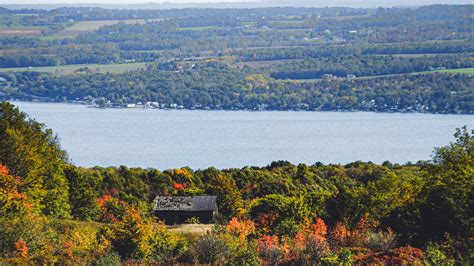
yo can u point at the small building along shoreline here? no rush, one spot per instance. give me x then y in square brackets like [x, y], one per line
[179, 209]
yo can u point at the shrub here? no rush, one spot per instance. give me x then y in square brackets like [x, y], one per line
[210, 248]
[129, 237]
[241, 250]
[345, 257]
[219, 218]
[165, 246]
[76, 244]
[278, 214]
[22, 236]
[310, 244]
[340, 236]
[108, 259]
[193, 220]
[137, 237]
[246, 256]
[381, 240]
[398, 256]
[240, 229]
[287, 227]
[270, 250]
[408, 255]
[363, 235]
[435, 256]
[111, 208]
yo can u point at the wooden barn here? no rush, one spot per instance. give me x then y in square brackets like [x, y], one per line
[177, 209]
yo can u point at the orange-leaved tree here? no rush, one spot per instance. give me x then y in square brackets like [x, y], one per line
[310, 244]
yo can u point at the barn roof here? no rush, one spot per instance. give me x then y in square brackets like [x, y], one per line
[181, 203]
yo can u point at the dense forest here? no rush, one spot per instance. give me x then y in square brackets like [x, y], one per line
[213, 85]
[366, 66]
[434, 47]
[316, 59]
[204, 32]
[339, 59]
[55, 212]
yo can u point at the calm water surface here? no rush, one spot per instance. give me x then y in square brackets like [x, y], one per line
[199, 139]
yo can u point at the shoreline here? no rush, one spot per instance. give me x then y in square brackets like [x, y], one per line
[144, 107]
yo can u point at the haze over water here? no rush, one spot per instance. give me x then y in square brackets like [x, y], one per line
[170, 138]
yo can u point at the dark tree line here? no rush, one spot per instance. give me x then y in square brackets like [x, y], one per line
[218, 86]
[366, 66]
[447, 47]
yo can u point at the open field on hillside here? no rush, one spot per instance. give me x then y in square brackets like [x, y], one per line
[191, 230]
[468, 71]
[415, 55]
[69, 69]
[341, 18]
[10, 32]
[200, 28]
[88, 26]
[266, 63]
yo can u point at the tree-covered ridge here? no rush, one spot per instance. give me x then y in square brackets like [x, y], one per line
[279, 214]
[238, 59]
[363, 66]
[432, 47]
[216, 32]
[214, 85]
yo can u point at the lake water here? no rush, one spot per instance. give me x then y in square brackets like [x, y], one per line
[169, 139]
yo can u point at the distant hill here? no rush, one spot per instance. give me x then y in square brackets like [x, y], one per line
[121, 4]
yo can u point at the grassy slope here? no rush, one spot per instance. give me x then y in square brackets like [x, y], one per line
[69, 69]
[182, 229]
[200, 28]
[468, 71]
[191, 232]
[88, 26]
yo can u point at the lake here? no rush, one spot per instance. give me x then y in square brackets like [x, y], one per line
[166, 139]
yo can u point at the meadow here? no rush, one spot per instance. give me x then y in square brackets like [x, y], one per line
[90, 26]
[468, 71]
[70, 69]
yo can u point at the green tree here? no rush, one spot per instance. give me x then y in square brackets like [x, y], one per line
[83, 192]
[390, 192]
[443, 209]
[279, 214]
[229, 197]
[211, 248]
[447, 199]
[32, 152]
[130, 236]
[139, 237]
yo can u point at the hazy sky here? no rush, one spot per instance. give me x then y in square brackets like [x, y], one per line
[316, 2]
[115, 1]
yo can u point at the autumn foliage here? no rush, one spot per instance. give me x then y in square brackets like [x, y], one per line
[314, 233]
[11, 199]
[362, 213]
[21, 249]
[179, 186]
[242, 229]
[271, 250]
